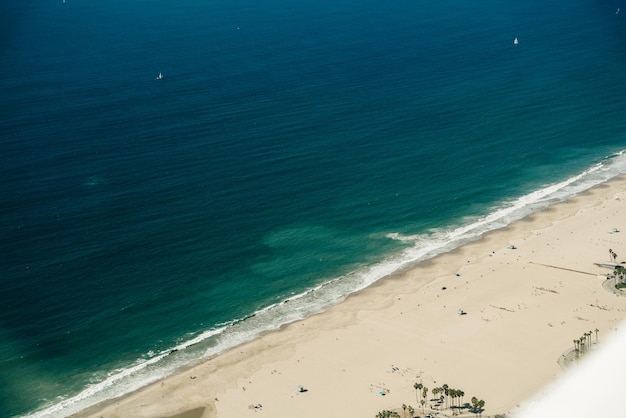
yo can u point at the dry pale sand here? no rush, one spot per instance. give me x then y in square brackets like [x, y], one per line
[524, 307]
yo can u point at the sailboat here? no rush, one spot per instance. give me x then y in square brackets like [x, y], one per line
[515, 41]
[160, 76]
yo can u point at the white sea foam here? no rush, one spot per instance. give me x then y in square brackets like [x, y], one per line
[333, 291]
[119, 380]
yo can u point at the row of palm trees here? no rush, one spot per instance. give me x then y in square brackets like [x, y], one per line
[582, 344]
[440, 394]
[453, 397]
[387, 414]
[619, 271]
[423, 392]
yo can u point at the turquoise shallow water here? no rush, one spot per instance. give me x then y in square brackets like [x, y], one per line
[292, 150]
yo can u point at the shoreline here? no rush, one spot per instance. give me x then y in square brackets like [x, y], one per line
[410, 321]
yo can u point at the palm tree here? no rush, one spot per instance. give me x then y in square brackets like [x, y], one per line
[620, 274]
[477, 405]
[481, 404]
[452, 393]
[445, 388]
[424, 394]
[461, 394]
[411, 410]
[404, 409]
[597, 330]
[418, 387]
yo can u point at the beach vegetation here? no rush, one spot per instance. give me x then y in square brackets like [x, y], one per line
[620, 277]
[477, 406]
[584, 343]
[418, 389]
[457, 396]
[454, 395]
[439, 399]
[435, 392]
[387, 414]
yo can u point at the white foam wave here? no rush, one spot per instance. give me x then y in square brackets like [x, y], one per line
[514, 210]
[333, 291]
[75, 403]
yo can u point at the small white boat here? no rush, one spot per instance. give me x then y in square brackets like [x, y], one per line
[160, 76]
[515, 41]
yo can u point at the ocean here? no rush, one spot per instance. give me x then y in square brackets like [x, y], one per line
[291, 151]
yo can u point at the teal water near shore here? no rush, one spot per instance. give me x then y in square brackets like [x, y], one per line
[292, 151]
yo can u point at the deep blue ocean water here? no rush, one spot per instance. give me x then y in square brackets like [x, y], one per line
[292, 150]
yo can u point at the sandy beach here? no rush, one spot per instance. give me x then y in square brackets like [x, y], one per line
[522, 306]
